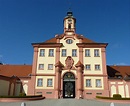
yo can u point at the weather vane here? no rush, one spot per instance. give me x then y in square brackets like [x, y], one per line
[70, 5]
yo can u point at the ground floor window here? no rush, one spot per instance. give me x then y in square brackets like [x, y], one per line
[40, 82]
[49, 82]
[88, 82]
[98, 83]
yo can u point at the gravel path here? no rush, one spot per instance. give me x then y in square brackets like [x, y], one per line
[62, 102]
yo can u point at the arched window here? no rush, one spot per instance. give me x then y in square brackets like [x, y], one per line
[69, 77]
[69, 26]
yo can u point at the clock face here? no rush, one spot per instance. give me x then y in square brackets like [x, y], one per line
[69, 21]
[69, 41]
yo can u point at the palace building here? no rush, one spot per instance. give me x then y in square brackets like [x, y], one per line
[70, 66]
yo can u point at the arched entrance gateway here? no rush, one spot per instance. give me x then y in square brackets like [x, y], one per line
[69, 85]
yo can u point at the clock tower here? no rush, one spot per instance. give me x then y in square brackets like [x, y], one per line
[69, 24]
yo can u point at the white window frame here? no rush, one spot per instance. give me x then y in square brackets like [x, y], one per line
[96, 53]
[49, 82]
[41, 66]
[97, 67]
[51, 52]
[74, 52]
[98, 83]
[50, 66]
[42, 52]
[88, 67]
[64, 53]
[87, 52]
[88, 83]
[39, 82]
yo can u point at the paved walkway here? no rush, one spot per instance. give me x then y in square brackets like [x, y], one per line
[63, 102]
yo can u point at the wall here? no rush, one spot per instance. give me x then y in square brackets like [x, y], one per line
[119, 86]
[4, 86]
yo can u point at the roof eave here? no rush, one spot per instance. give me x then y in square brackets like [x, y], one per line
[92, 45]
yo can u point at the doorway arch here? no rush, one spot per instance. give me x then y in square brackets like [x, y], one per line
[69, 85]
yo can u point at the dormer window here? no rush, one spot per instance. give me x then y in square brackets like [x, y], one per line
[69, 41]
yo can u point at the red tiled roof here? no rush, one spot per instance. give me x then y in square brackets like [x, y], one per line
[118, 70]
[16, 70]
[85, 40]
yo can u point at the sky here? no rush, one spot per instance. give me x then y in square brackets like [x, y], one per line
[23, 22]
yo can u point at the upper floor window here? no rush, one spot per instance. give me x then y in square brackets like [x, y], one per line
[97, 67]
[98, 83]
[49, 82]
[42, 52]
[69, 41]
[50, 66]
[74, 52]
[87, 67]
[41, 66]
[63, 52]
[87, 52]
[51, 52]
[88, 82]
[40, 82]
[96, 53]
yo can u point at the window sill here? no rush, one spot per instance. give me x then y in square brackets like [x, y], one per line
[41, 56]
[41, 69]
[88, 86]
[98, 86]
[39, 86]
[88, 69]
[49, 86]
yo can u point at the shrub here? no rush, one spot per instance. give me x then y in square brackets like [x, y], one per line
[117, 96]
[22, 94]
[31, 96]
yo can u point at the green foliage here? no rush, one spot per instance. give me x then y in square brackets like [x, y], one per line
[31, 96]
[22, 94]
[117, 96]
[111, 98]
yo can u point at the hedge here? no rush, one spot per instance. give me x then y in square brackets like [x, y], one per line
[111, 98]
[31, 96]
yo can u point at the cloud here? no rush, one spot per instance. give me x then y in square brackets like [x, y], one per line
[121, 64]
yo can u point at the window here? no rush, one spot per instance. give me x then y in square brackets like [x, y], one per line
[99, 93]
[96, 52]
[63, 52]
[88, 67]
[88, 82]
[51, 52]
[87, 52]
[42, 52]
[69, 41]
[39, 93]
[74, 52]
[50, 66]
[89, 93]
[49, 82]
[98, 82]
[97, 67]
[41, 66]
[40, 82]
[69, 26]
